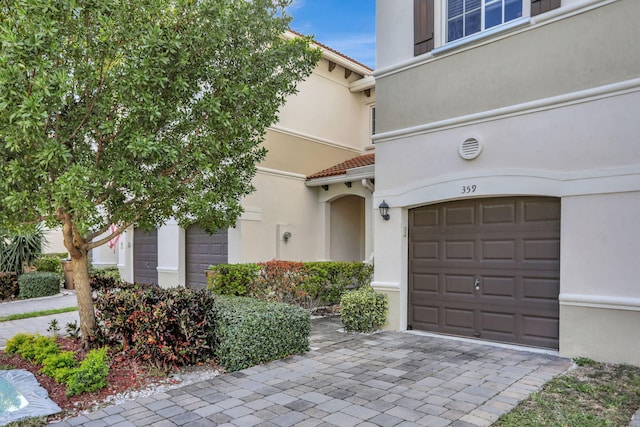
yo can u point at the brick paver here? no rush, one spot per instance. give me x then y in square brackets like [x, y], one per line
[383, 379]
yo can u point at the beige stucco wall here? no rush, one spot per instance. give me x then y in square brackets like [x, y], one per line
[539, 60]
[599, 295]
[555, 109]
[280, 203]
[54, 241]
[347, 229]
[325, 110]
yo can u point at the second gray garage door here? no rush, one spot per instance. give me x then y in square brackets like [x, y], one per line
[487, 268]
[203, 250]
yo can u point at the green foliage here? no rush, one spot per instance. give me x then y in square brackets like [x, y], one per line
[112, 113]
[250, 332]
[73, 330]
[584, 361]
[363, 310]
[49, 263]
[105, 278]
[327, 281]
[91, 375]
[35, 348]
[306, 284]
[19, 250]
[54, 328]
[8, 286]
[60, 366]
[38, 284]
[232, 279]
[164, 327]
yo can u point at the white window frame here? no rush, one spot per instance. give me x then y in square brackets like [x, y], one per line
[441, 33]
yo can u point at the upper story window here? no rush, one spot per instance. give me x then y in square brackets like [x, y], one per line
[458, 19]
[466, 17]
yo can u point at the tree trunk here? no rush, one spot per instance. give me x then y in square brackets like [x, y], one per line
[84, 296]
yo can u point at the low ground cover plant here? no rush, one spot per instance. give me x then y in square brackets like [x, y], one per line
[363, 310]
[79, 377]
[306, 284]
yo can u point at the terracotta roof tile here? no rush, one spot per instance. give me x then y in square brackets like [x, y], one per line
[333, 50]
[341, 168]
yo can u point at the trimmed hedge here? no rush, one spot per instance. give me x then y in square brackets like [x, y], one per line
[363, 310]
[249, 332]
[48, 262]
[38, 284]
[306, 284]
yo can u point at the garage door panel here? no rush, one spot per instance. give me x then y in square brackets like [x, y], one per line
[498, 213]
[427, 218]
[456, 284]
[499, 286]
[498, 322]
[456, 216]
[203, 250]
[426, 250]
[541, 288]
[541, 249]
[427, 316]
[541, 210]
[145, 256]
[512, 245]
[504, 250]
[459, 318]
[540, 327]
[425, 283]
[459, 250]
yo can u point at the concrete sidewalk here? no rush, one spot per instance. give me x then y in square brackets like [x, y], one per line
[37, 324]
[383, 379]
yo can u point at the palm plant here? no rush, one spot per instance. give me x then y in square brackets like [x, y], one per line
[19, 250]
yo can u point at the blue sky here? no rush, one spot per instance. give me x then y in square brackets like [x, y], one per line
[348, 26]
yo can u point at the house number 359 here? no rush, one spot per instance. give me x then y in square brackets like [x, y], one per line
[466, 189]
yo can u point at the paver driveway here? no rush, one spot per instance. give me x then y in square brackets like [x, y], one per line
[384, 379]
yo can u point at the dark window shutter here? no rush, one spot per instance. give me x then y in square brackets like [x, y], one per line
[423, 21]
[541, 6]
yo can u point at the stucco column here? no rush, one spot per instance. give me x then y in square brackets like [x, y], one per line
[390, 246]
[125, 255]
[171, 255]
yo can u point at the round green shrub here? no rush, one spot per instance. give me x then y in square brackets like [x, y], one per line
[38, 284]
[49, 263]
[363, 310]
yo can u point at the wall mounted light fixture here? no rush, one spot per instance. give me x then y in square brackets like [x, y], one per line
[384, 210]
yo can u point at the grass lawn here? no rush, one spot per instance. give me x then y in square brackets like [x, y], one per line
[36, 314]
[593, 394]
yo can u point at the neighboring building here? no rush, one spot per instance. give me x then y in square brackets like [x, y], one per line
[288, 217]
[507, 149]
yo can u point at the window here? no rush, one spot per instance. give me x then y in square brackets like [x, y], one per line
[373, 120]
[466, 17]
[458, 19]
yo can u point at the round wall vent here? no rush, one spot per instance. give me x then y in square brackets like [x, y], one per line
[469, 149]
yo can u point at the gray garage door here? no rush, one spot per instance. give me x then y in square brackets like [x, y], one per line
[145, 256]
[203, 250]
[487, 268]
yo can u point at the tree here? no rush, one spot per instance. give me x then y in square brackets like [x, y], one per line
[130, 113]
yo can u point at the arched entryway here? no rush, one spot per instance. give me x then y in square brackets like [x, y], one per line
[347, 229]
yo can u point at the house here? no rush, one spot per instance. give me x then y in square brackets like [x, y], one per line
[289, 217]
[507, 149]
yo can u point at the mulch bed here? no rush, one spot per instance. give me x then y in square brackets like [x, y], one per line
[125, 375]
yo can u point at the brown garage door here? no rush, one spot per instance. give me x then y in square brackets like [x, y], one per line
[203, 250]
[145, 256]
[487, 268]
